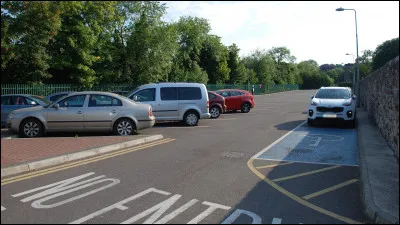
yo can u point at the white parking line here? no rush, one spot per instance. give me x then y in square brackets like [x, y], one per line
[278, 140]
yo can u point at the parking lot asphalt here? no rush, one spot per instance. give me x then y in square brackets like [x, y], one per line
[223, 171]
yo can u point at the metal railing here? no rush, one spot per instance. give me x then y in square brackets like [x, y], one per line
[47, 89]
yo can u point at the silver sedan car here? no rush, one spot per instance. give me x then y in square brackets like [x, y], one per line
[83, 111]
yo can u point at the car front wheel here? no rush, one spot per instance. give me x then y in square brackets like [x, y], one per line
[215, 112]
[246, 107]
[31, 128]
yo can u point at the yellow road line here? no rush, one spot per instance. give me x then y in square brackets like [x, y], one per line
[305, 174]
[297, 198]
[324, 191]
[79, 163]
[269, 166]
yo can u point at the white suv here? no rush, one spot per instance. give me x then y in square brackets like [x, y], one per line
[333, 103]
[186, 102]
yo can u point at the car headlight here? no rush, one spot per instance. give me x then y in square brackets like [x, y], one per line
[314, 103]
[348, 103]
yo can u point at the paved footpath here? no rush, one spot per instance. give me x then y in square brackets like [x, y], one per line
[218, 172]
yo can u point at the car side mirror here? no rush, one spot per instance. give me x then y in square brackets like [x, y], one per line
[33, 103]
[312, 96]
[135, 98]
[354, 97]
[57, 106]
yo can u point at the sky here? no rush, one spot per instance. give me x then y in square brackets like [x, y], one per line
[310, 30]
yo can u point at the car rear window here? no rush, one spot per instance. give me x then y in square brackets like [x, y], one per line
[189, 93]
[211, 96]
[224, 93]
[236, 93]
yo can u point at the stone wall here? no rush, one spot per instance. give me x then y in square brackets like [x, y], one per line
[379, 96]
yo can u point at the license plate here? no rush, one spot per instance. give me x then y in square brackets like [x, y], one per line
[329, 115]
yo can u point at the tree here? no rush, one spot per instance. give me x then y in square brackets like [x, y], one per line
[316, 80]
[337, 74]
[213, 59]
[326, 67]
[284, 63]
[252, 76]
[151, 47]
[281, 54]
[385, 52]
[26, 30]
[365, 61]
[308, 71]
[237, 73]
[262, 64]
[192, 33]
[77, 45]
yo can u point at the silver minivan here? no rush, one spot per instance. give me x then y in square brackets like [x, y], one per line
[186, 102]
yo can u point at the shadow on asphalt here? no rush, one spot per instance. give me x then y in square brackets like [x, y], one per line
[319, 124]
[289, 125]
[282, 169]
[322, 124]
[170, 124]
[268, 203]
[233, 112]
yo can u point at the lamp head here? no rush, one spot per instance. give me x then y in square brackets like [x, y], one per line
[340, 9]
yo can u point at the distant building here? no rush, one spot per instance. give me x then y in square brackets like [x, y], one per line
[348, 72]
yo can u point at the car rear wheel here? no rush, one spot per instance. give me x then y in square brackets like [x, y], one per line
[246, 107]
[215, 112]
[191, 118]
[124, 127]
[31, 128]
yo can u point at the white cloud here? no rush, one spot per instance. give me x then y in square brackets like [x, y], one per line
[311, 30]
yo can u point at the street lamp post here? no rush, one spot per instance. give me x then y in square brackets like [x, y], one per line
[357, 59]
[354, 73]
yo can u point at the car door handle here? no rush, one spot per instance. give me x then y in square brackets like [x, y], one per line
[114, 111]
[79, 112]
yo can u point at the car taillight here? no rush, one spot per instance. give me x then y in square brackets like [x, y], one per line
[208, 104]
[150, 112]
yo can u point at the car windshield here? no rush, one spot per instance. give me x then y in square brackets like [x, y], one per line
[333, 94]
[130, 93]
[38, 98]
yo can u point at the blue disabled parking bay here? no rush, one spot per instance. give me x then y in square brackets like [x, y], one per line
[316, 145]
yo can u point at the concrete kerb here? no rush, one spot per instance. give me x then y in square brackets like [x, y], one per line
[372, 212]
[26, 167]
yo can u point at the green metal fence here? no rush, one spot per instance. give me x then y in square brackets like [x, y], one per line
[47, 89]
[258, 88]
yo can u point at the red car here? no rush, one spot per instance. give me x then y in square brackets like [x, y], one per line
[238, 99]
[217, 104]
